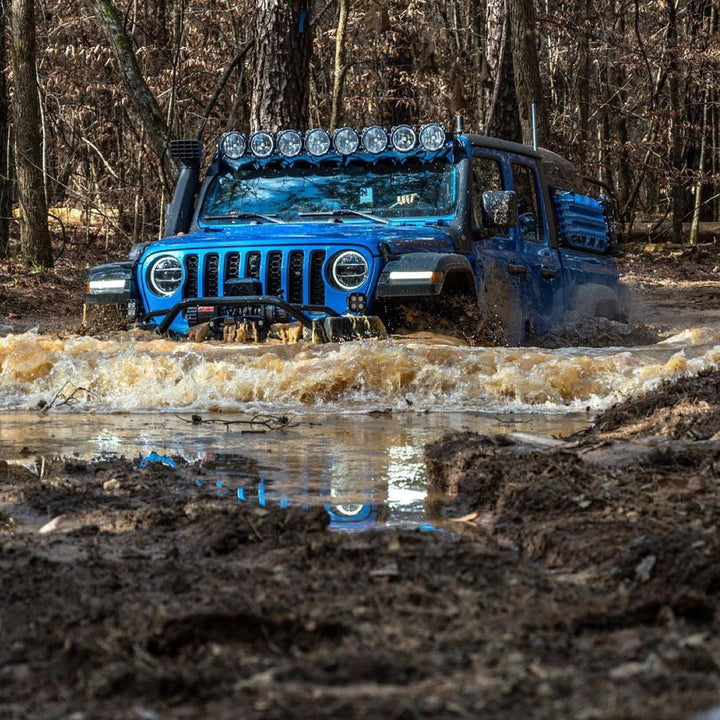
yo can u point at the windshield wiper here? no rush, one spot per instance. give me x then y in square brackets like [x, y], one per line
[245, 216]
[344, 212]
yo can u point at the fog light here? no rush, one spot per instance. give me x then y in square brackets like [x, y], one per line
[357, 302]
[131, 311]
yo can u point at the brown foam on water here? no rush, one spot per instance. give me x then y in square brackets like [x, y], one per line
[132, 372]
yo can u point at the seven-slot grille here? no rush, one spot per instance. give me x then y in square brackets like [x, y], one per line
[295, 275]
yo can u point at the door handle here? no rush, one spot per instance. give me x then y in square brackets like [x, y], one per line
[548, 273]
[514, 269]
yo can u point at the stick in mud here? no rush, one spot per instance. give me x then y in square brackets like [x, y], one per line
[269, 422]
[64, 399]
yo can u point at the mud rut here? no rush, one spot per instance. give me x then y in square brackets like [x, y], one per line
[582, 581]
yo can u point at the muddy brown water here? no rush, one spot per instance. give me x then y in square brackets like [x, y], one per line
[365, 409]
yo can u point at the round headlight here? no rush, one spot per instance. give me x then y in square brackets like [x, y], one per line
[165, 276]
[349, 270]
[317, 142]
[262, 144]
[346, 141]
[289, 143]
[432, 137]
[374, 139]
[403, 138]
[233, 145]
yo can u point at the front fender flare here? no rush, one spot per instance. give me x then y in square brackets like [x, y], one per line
[422, 274]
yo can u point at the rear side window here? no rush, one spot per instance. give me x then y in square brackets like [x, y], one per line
[528, 211]
[487, 175]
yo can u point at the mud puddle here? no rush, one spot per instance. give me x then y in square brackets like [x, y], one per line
[365, 470]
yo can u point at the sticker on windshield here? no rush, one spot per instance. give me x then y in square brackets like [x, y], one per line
[366, 196]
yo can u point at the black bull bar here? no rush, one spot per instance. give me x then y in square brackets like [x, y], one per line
[299, 312]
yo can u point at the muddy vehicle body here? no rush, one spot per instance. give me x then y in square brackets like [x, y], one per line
[328, 233]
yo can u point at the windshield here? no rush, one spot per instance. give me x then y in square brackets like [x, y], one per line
[387, 189]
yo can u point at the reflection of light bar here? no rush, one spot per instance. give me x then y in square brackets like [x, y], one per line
[427, 275]
[95, 286]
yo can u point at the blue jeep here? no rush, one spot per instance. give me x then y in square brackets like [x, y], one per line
[323, 233]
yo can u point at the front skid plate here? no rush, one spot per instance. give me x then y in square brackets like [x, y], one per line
[323, 330]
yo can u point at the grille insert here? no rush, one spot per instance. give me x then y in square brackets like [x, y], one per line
[210, 279]
[191, 276]
[232, 266]
[295, 276]
[273, 282]
[317, 283]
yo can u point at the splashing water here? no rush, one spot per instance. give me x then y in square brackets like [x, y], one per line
[134, 373]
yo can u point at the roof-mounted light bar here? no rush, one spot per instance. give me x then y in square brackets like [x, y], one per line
[345, 141]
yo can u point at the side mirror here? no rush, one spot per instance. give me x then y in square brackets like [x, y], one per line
[500, 208]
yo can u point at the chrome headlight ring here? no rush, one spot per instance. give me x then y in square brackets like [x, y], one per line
[165, 276]
[349, 270]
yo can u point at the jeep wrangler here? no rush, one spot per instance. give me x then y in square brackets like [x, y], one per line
[313, 235]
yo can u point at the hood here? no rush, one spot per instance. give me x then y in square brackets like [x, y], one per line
[399, 238]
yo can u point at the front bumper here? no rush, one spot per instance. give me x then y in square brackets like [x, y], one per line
[271, 315]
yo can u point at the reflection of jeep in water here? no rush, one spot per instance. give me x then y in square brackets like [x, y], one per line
[329, 232]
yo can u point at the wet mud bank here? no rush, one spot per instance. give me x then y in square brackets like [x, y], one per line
[624, 518]
[579, 580]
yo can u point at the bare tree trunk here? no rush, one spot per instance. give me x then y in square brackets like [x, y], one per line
[111, 22]
[706, 129]
[676, 138]
[526, 70]
[477, 38]
[617, 95]
[283, 43]
[398, 102]
[501, 111]
[583, 82]
[695, 224]
[5, 186]
[340, 65]
[34, 235]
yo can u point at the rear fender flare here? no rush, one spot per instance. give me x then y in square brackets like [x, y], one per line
[595, 300]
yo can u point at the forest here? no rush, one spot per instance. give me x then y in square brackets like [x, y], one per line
[91, 92]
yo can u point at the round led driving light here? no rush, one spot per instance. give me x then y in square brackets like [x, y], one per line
[262, 144]
[346, 141]
[432, 137]
[317, 142]
[403, 138]
[165, 276]
[374, 139]
[289, 143]
[233, 145]
[349, 270]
